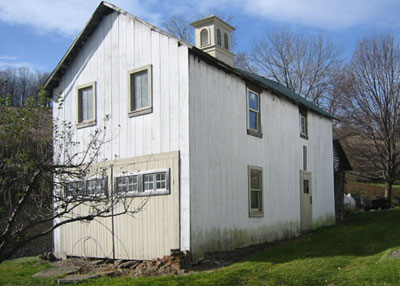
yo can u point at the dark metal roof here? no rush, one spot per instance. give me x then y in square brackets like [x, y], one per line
[341, 163]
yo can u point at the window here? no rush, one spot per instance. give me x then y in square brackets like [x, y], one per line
[89, 188]
[304, 158]
[140, 91]
[204, 37]
[86, 99]
[306, 186]
[226, 41]
[255, 175]
[253, 113]
[143, 184]
[303, 123]
[219, 37]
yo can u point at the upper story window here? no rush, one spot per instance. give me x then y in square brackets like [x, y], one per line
[140, 91]
[226, 41]
[219, 37]
[255, 177]
[86, 99]
[303, 123]
[204, 37]
[144, 184]
[253, 113]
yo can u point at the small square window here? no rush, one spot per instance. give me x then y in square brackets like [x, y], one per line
[255, 191]
[86, 101]
[140, 89]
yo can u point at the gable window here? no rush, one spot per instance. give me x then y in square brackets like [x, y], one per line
[204, 37]
[219, 37]
[147, 183]
[303, 123]
[88, 188]
[255, 178]
[226, 41]
[86, 101]
[140, 88]
[253, 113]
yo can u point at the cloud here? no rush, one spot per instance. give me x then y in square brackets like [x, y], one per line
[324, 14]
[13, 62]
[66, 17]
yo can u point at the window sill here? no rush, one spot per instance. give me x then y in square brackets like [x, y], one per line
[304, 136]
[254, 133]
[143, 194]
[86, 123]
[256, 214]
[139, 112]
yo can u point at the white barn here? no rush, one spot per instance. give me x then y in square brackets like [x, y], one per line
[224, 158]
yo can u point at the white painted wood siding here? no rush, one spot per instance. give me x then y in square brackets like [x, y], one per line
[121, 43]
[221, 150]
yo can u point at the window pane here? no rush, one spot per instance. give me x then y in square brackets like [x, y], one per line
[86, 104]
[255, 177]
[255, 199]
[226, 41]
[148, 182]
[219, 38]
[253, 100]
[161, 181]
[140, 89]
[253, 121]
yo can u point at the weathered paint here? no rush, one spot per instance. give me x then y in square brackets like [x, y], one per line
[122, 43]
[221, 150]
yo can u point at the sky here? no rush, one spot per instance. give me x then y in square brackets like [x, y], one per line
[37, 33]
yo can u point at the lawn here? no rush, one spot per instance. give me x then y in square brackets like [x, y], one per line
[355, 252]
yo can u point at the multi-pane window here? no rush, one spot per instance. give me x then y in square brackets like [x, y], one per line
[86, 103]
[89, 188]
[127, 184]
[255, 191]
[156, 182]
[140, 91]
[253, 111]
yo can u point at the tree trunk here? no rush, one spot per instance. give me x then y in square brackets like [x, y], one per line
[388, 192]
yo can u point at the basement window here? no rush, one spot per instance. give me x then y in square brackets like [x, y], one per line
[140, 99]
[86, 101]
[147, 183]
[88, 188]
[255, 179]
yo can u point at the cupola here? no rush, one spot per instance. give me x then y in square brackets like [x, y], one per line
[213, 36]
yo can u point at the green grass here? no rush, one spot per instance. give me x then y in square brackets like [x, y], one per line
[355, 252]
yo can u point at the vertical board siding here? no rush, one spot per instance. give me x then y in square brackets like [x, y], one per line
[119, 44]
[221, 150]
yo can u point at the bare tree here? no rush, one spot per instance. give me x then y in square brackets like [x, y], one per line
[370, 90]
[306, 65]
[39, 190]
[179, 27]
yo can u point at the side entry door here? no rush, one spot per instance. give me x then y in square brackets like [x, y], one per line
[305, 200]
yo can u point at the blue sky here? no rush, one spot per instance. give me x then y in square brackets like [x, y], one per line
[37, 33]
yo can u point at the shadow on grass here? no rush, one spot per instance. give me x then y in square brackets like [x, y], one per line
[364, 234]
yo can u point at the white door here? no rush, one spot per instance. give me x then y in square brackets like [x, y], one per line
[305, 200]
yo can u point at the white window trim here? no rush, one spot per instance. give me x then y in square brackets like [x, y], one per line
[141, 192]
[251, 131]
[147, 109]
[91, 122]
[255, 212]
[102, 196]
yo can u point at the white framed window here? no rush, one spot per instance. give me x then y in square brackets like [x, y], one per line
[303, 123]
[89, 188]
[86, 105]
[253, 113]
[219, 37]
[140, 91]
[204, 37]
[153, 182]
[255, 179]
